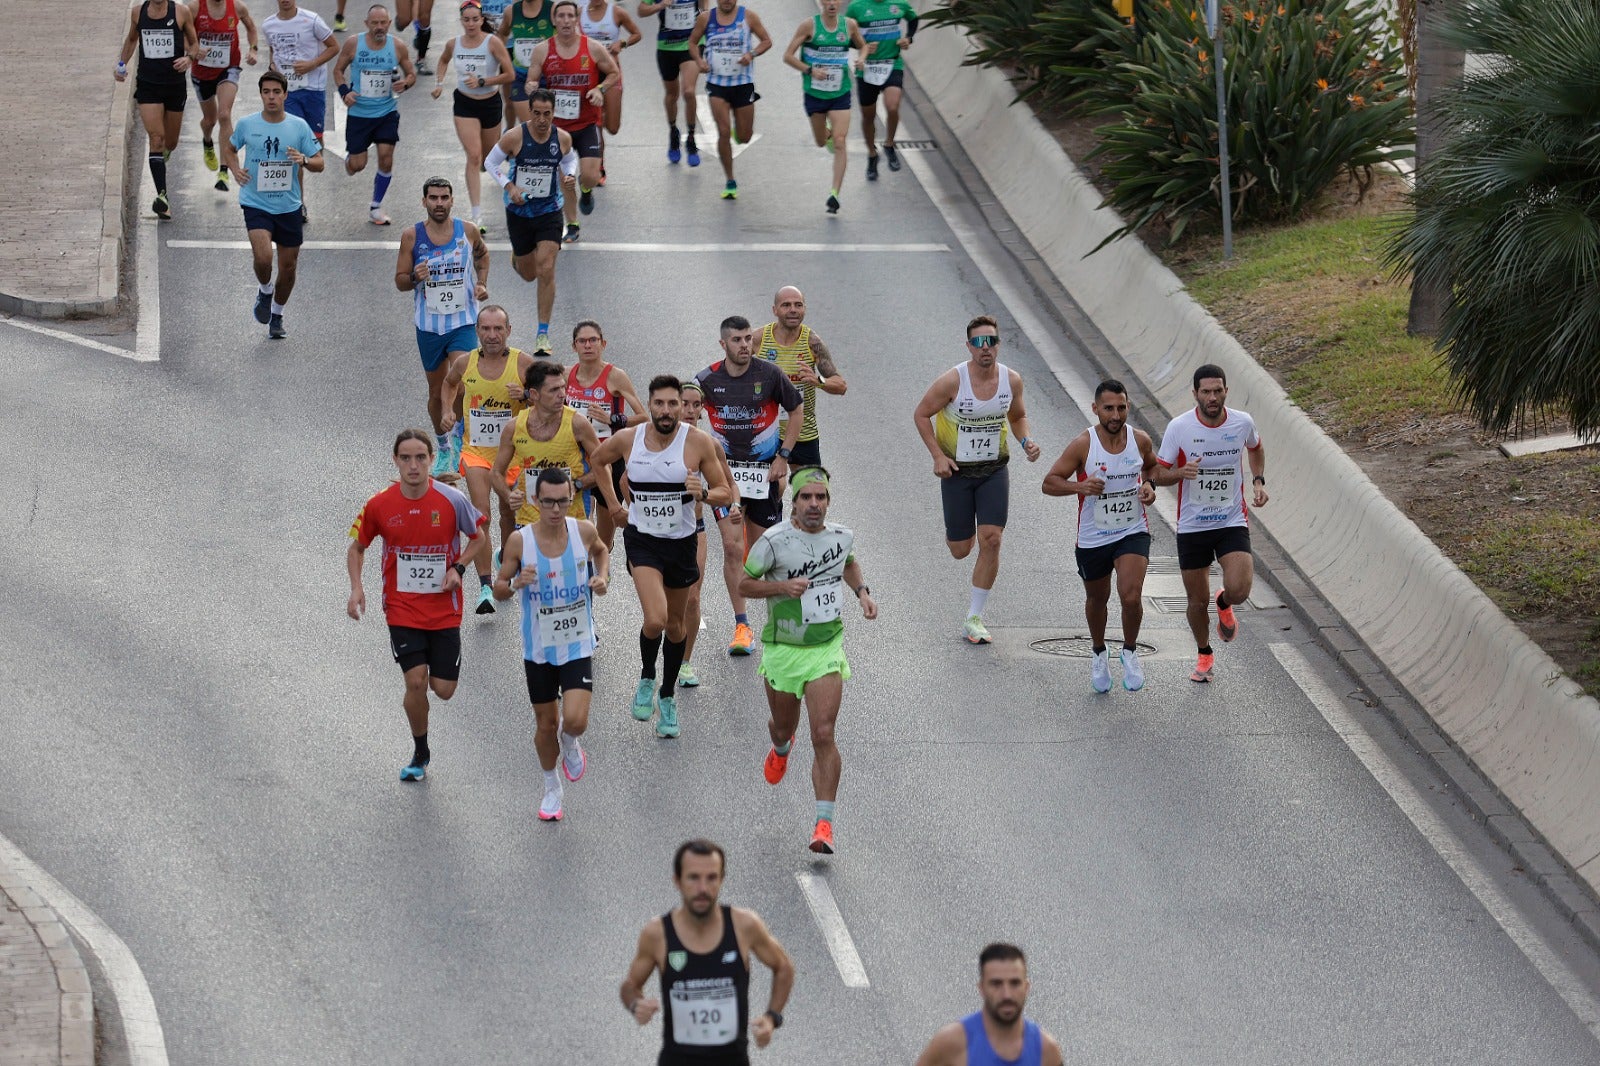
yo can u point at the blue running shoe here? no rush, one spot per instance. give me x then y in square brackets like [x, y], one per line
[667, 724]
[416, 771]
[644, 699]
[673, 154]
[690, 150]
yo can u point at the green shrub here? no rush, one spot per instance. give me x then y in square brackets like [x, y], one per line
[1032, 37]
[1003, 29]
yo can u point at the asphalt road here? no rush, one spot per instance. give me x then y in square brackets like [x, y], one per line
[202, 746]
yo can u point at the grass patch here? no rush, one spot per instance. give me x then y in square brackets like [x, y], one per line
[1547, 561]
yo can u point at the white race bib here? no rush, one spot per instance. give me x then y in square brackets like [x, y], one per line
[705, 1017]
[568, 101]
[419, 571]
[157, 44]
[751, 480]
[215, 52]
[535, 182]
[1216, 486]
[486, 425]
[682, 16]
[376, 84]
[978, 442]
[1117, 510]
[601, 429]
[820, 601]
[659, 514]
[877, 71]
[445, 296]
[296, 81]
[566, 624]
[472, 66]
[274, 175]
[522, 50]
[726, 64]
[827, 77]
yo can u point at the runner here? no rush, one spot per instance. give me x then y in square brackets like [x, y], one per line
[884, 71]
[579, 76]
[800, 567]
[1109, 467]
[702, 950]
[733, 37]
[677, 68]
[154, 28]
[446, 263]
[373, 69]
[606, 22]
[533, 196]
[301, 46]
[604, 392]
[421, 523]
[484, 65]
[743, 401]
[524, 24]
[998, 1033]
[693, 404]
[546, 434]
[1203, 452]
[216, 73]
[490, 382]
[559, 566]
[800, 353]
[339, 24]
[670, 465]
[963, 420]
[826, 40]
[277, 147]
[422, 23]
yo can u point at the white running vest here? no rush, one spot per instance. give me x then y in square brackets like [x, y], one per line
[1117, 511]
[558, 612]
[660, 506]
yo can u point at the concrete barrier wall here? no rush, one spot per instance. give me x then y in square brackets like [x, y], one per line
[1529, 728]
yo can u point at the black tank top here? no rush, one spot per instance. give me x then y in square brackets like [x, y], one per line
[705, 1000]
[160, 44]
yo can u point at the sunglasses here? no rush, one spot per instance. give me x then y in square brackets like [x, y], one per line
[984, 340]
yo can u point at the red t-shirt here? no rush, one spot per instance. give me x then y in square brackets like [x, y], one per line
[576, 75]
[421, 540]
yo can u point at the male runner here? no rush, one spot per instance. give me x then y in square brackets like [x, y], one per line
[604, 392]
[1203, 453]
[744, 399]
[579, 76]
[997, 1034]
[884, 71]
[491, 395]
[421, 523]
[156, 28]
[733, 37]
[805, 568]
[277, 147]
[482, 66]
[524, 24]
[693, 405]
[422, 23]
[800, 353]
[300, 46]
[445, 262]
[702, 950]
[670, 465]
[546, 434]
[373, 69]
[542, 164]
[963, 421]
[677, 68]
[216, 72]
[610, 24]
[559, 565]
[826, 40]
[1108, 467]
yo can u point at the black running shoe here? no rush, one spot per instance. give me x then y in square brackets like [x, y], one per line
[872, 168]
[586, 201]
[275, 328]
[833, 204]
[892, 156]
[160, 206]
[263, 307]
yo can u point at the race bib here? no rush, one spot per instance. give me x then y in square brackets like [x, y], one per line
[486, 426]
[419, 571]
[376, 84]
[274, 175]
[726, 64]
[877, 71]
[568, 101]
[659, 514]
[535, 182]
[157, 44]
[602, 429]
[820, 601]
[827, 77]
[751, 480]
[296, 81]
[682, 16]
[215, 52]
[522, 50]
[705, 1017]
[1217, 486]
[1117, 510]
[978, 442]
[567, 624]
[445, 296]
[471, 66]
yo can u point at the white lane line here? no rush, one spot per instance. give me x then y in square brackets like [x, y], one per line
[819, 897]
[738, 149]
[1568, 984]
[594, 246]
[73, 338]
[141, 1026]
[147, 286]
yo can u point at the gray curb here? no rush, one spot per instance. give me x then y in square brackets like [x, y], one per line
[76, 1047]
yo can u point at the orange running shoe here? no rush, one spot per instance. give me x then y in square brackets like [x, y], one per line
[775, 766]
[743, 639]
[822, 837]
[1227, 624]
[1202, 668]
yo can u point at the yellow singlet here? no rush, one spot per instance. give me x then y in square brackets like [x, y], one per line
[535, 455]
[790, 358]
[486, 406]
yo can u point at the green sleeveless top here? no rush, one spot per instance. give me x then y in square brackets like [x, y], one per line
[828, 54]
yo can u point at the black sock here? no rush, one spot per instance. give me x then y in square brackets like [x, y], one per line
[649, 647]
[422, 754]
[1129, 646]
[208, 142]
[1222, 601]
[1099, 649]
[671, 660]
[424, 35]
[1206, 650]
[158, 171]
[486, 580]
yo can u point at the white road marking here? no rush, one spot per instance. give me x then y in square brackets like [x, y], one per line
[1568, 985]
[141, 1026]
[73, 338]
[147, 284]
[592, 246]
[819, 897]
[739, 148]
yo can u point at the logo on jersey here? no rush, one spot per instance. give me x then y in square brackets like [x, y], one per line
[729, 956]
[434, 519]
[677, 959]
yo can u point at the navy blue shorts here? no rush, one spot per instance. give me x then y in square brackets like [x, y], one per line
[869, 92]
[818, 105]
[311, 105]
[287, 230]
[362, 133]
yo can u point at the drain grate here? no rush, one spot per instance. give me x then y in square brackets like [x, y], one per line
[917, 146]
[1077, 646]
[1168, 604]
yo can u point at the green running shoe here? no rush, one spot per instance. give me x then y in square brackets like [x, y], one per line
[644, 699]
[667, 724]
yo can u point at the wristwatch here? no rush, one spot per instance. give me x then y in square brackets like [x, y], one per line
[784, 453]
[461, 569]
[777, 1018]
[1258, 480]
[862, 590]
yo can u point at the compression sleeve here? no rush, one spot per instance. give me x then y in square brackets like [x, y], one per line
[569, 163]
[496, 164]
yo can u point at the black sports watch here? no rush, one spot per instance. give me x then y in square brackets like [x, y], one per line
[1258, 480]
[460, 569]
[777, 1018]
[784, 453]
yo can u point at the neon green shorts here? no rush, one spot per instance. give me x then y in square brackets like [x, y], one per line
[789, 667]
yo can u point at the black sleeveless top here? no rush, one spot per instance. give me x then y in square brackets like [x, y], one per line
[164, 38]
[705, 1000]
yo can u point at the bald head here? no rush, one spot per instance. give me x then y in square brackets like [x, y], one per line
[789, 307]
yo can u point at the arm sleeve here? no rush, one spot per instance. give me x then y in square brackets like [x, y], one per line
[496, 164]
[911, 25]
[569, 163]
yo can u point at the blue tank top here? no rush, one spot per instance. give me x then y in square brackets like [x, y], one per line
[724, 44]
[372, 75]
[557, 613]
[537, 169]
[979, 1053]
[449, 299]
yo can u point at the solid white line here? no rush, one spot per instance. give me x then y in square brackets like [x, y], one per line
[147, 285]
[1568, 985]
[591, 246]
[141, 1026]
[73, 338]
[739, 148]
[819, 897]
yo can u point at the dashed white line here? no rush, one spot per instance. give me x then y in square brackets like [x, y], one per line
[594, 246]
[819, 897]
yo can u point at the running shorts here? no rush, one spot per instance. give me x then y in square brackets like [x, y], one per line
[1096, 563]
[311, 105]
[287, 230]
[670, 60]
[819, 105]
[869, 92]
[437, 649]
[586, 142]
[170, 96]
[362, 133]
[737, 95]
[546, 682]
[487, 109]
[435, 347]
[206, 88]
[1196, 550]
[970, 502]
[674, 558]
[526, 233]
[791, 667]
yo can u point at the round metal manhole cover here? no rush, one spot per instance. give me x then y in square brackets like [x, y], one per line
[1078, 646]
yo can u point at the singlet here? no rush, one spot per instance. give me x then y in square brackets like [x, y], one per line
[705, 999]
[828, 53]
[295, 39]
[1117, 512]
[880, 27]
[580, 396]
[973, 431]
[219, 40]
[1215, 499]
[534, 455]
[981, 1053]
[449, 299]
[571, 80]
[676, 22]
[786, 551]
[526, 33]
[660, 507]
[724, 45]
[557, 613]
[536, 170]
[372, 74]
[160, 45]
[790, 357]
[421, 539]
[486, 405]
[472, 60]
[605, 30]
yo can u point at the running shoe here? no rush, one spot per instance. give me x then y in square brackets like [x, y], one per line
[222, 180]
[208, 152]
[542, 342]
[586, 201]
[687, 678]
[690, 150]
[644, 699]
[872, 168]
[160, 206]
[550, 806]
[571, 236]
[423, 70]
[573, 756]
[1202, 668]
[263, 307]
[892, 156]
[744, 639]
[832, 204]
[441, 460]
[377, 216]
[1100, 672]
[667, 723]
[496, 569]
[275, 329]
[775, 766]
[483, 228]
[338, 24]
[822, 837]
[1132, 672]
[485, 601]
[1227, 624]
[975, 632]
[414, 771]
[730, 191]
[673, 154]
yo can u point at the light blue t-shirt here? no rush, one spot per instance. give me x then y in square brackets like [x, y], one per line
[274, 185]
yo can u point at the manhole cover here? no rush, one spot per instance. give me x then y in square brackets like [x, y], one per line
[1078, 646]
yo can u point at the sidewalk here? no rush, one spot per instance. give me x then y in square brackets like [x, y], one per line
[65, 132]
[46, 1013]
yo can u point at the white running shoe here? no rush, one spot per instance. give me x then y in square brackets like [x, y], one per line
[550, 806]
[1132, 672]
[573, 761]
[1100, 672]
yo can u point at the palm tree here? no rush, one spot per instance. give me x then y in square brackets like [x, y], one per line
[1437, 66]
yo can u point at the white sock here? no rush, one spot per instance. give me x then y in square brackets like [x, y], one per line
[265, 288]
[477, 212]
[552, 781]
[567, 741]
[979, 598]
[277, 308]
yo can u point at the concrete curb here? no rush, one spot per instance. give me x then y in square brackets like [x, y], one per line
[75, 1010]
[1496, 695]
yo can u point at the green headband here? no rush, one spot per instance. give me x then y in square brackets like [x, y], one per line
[807, 475]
